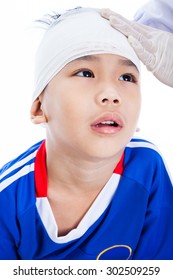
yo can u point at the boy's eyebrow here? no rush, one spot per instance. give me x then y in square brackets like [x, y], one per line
[128, 62]
[125, 61]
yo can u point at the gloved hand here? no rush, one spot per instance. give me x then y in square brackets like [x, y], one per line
[153, 46]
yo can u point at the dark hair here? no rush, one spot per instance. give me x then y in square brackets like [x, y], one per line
[49, 19]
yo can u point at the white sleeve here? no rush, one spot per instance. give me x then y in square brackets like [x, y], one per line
[157, 14]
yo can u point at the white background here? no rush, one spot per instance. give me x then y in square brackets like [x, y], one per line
[18, 42]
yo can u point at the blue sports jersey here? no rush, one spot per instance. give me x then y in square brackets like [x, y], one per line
[132, 217]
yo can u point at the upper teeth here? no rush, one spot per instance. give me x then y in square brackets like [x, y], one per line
[108, 122]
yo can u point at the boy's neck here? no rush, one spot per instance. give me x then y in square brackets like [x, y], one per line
[76, 174]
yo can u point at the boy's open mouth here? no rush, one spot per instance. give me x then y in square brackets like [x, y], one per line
[109, 123]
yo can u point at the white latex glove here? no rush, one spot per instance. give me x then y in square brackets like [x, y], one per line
[153, 46]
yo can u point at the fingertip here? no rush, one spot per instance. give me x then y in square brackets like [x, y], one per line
[105, 12]
[112, 19]
[119, 25]
[133, 42]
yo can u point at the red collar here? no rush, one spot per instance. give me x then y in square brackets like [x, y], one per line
[41, 171]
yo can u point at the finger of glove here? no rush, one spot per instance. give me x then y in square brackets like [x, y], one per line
[131, 30]
[125, 27]
[106, 13]
[147, 57]
[137, 29]
[115, 18]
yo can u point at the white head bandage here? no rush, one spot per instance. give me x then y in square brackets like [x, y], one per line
[77, 33]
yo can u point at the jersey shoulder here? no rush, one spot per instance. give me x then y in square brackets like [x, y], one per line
[18, 167]
[139, 146]
[144, 163]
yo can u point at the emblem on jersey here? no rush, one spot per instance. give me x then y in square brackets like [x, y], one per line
[116, 252]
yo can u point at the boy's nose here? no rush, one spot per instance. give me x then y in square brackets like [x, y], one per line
[111, 100]
[109, 96]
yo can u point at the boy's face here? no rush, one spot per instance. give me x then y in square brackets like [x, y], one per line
[92, 106]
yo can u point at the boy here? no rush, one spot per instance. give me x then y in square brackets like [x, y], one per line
[88, 191]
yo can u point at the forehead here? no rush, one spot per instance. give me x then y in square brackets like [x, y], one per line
[121, 60]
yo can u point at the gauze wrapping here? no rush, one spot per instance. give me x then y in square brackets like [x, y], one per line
[75, 34]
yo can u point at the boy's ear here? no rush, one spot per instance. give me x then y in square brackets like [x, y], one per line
[37, 114]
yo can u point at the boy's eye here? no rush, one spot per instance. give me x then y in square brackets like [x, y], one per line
[85, 74]
[127, 78]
